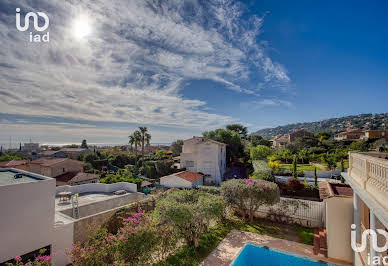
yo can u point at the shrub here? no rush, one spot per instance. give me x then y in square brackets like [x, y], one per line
[294, 184]
[210, 189]
[189, 212]
[248, 195]
[138, 242]
[259, 152]
[263, 175]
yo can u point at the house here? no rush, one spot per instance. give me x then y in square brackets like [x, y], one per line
[52, 154]
[279, 141]
[368, 177]
[30, 147]
[282, 140]
[28, 220]
[299, 133]
[204, 156]
[21, 164]
[53, 167]
[76, 178]
[376, 134]
[184, 179]
[74, 153]
[338, 218]
[351, 135]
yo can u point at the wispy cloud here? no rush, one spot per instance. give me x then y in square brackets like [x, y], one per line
[263, 103]
[134, 65]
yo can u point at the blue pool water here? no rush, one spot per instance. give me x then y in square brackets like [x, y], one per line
[252, 255]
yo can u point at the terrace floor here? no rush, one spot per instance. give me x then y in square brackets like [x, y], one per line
[229, 248]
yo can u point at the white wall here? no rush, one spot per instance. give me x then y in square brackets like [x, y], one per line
[98, 187]
[26, 217]
[62, 240]
[339, 217]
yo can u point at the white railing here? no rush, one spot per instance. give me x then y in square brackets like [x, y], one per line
[306, 212]
[370, 171]
[98, 188]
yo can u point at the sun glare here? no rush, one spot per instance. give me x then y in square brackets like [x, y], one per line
[81, 27]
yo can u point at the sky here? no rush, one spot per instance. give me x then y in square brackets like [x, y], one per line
[183, 67]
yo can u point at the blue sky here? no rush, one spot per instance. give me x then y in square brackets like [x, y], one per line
[181, 67]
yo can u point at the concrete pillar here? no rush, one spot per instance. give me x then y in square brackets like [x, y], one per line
[357, 212]
[372, 226]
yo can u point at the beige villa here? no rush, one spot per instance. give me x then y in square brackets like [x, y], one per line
[204, 156]
[368, 177]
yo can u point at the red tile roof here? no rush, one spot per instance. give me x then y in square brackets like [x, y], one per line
[13, 163]
[328, 190]
[187, 175]
[70, 177]
[52, 161]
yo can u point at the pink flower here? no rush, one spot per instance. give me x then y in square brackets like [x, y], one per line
[17, 258]
[249, 181]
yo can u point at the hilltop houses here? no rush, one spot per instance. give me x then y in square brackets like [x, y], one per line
[358, 134]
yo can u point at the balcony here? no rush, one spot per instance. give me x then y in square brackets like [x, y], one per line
[370, 171]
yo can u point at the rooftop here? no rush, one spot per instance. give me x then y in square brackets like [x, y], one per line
[7, 177]
[187, 175]
[329, 190]
[52, 161]
[10, 164]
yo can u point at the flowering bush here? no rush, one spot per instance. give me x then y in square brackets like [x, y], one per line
[248, 195]
[40, 260]
[138, 242]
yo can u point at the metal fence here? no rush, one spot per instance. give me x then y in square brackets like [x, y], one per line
[305, 212]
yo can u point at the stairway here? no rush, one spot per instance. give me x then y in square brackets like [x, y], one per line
[320, 242]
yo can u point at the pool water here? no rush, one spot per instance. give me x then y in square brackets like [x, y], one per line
[252, 255]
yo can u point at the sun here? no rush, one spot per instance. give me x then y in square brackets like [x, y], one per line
[81, 27]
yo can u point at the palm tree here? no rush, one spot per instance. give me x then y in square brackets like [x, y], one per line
[137, 138]
[147, 140]
[143, 131]
[131, 141]
[303, 154]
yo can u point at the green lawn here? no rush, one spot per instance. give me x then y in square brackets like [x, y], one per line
[300, 167]
[188, 255]
[346, 164]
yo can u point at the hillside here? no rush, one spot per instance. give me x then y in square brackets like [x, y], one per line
[334, 125]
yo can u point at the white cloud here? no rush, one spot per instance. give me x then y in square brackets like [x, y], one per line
[132, 67]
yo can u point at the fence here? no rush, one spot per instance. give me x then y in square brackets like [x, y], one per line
[304, 212]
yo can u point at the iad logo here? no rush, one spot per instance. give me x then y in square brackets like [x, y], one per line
[374, 260]
[34, 16]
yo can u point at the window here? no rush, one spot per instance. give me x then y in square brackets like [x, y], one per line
[63, 170]
[189, 163]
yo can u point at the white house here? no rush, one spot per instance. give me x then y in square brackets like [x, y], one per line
[204, 156]
[184, 179]
[28, 220]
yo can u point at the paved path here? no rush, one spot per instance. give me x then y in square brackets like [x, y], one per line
[229, 248]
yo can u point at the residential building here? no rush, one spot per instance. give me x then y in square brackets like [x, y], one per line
[204, 156]
[338, 218]
[35, 216]
[53, 167]
[30, 147]
[368, 177]
[76, 178]
[358, 134]
[52, 154]
[28, 217]
[282, 140]
[74, 153]
[279, 141]
[184, 179]
[376, 134]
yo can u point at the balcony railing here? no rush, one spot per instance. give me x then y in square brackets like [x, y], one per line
[370, 172]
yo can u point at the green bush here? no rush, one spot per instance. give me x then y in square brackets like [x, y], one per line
[210, 189]
[259, 152]
[262, 171]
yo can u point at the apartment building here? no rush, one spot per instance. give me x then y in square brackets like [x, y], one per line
[204, 156]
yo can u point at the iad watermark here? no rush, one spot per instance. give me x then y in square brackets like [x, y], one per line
[376, 259]
[34, 37]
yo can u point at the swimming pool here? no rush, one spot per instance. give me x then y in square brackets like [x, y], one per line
[252, 255]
